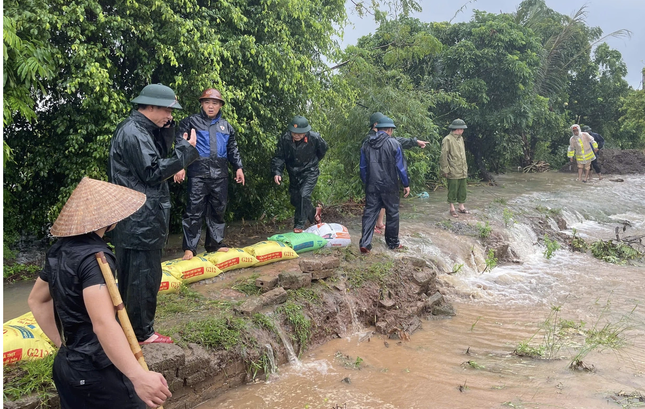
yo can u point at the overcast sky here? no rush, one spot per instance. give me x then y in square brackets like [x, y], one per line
[609, 15]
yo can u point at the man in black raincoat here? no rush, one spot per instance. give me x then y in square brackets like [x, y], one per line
[208, 176]
[300, 150]
[139, 160]
[382, 165]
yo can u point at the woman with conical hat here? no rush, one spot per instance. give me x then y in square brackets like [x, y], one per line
[94, 367]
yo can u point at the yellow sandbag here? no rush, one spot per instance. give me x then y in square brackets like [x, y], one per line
[28, 320]
[20, 343]
[169, 284]
[231, 259]
[189, 271]
[270, 251]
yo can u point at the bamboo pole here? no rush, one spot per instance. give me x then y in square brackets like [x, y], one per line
[117, 301]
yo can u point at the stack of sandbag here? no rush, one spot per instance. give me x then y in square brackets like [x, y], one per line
[336, 234]
[231, 259]
[270, 251]
[22, 339]
[300, 242]
[190, 271]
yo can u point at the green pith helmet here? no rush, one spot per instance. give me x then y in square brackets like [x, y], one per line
[375, 117]
[299, 124]
[586, 129]
[157, 95]
[458, 124]
[385, 122]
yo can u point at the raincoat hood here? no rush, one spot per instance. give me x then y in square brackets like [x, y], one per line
[378, 139]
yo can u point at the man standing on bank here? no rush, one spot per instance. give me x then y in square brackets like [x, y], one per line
[208, 176]
[300, 149]
[94, 367]
[454, 167]
[139, 160]
[381, 166]
[406, 143]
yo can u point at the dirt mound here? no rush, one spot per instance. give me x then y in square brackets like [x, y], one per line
[616, 162]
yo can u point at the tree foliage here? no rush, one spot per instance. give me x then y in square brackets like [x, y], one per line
[264, 55]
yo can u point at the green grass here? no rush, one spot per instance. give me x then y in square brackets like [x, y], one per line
[548, 211]
[299, 322]
[304, 294]
[376, 272]
[508, 215]
[247, 285]
[29, 377]
[186, 301]
[223, 332]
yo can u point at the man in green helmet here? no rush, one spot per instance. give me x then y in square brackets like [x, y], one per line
[406, 143]
[300, 150]
[140, 159]
[454, 167]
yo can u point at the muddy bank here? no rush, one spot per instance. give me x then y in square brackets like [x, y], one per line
[616, 162]
[392, 295]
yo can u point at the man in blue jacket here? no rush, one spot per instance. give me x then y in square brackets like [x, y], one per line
[208, 175]
[382, 165]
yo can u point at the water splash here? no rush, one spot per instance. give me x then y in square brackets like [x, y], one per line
[291, 355]
[273, 368]
[356, 326]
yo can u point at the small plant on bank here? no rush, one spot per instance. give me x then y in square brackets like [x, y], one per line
[262, 364]
[551, 247]
[508, 215]
[501, 201]
[263, 321]
[457, 268]
[491, 261]
[484, 230]
[304, 294]
[577, 243]
[358, 362]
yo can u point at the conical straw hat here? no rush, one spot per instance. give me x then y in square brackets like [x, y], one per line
[95, 204]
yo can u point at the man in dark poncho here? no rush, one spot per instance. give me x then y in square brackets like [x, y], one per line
[300, 149]
[381, 166]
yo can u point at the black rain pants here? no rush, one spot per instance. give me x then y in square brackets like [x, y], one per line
[207, 198]
[139, 273]
[300, 189]
[80, 386]
[374, 202]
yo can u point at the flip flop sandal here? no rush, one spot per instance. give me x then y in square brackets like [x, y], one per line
[377, 230]
[464, 211]
[297, 230]
[161, 339]
[454, 214]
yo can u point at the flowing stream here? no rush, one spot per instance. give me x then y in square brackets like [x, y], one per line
[467, 361]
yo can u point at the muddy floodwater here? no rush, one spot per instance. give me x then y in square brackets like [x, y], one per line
[467, 361]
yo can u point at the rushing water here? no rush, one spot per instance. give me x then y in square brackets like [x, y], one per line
[467, 361]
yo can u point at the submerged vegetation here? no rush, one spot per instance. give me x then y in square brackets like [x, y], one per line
[607, 332]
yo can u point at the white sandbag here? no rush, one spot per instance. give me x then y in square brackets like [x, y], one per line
[336, 234]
